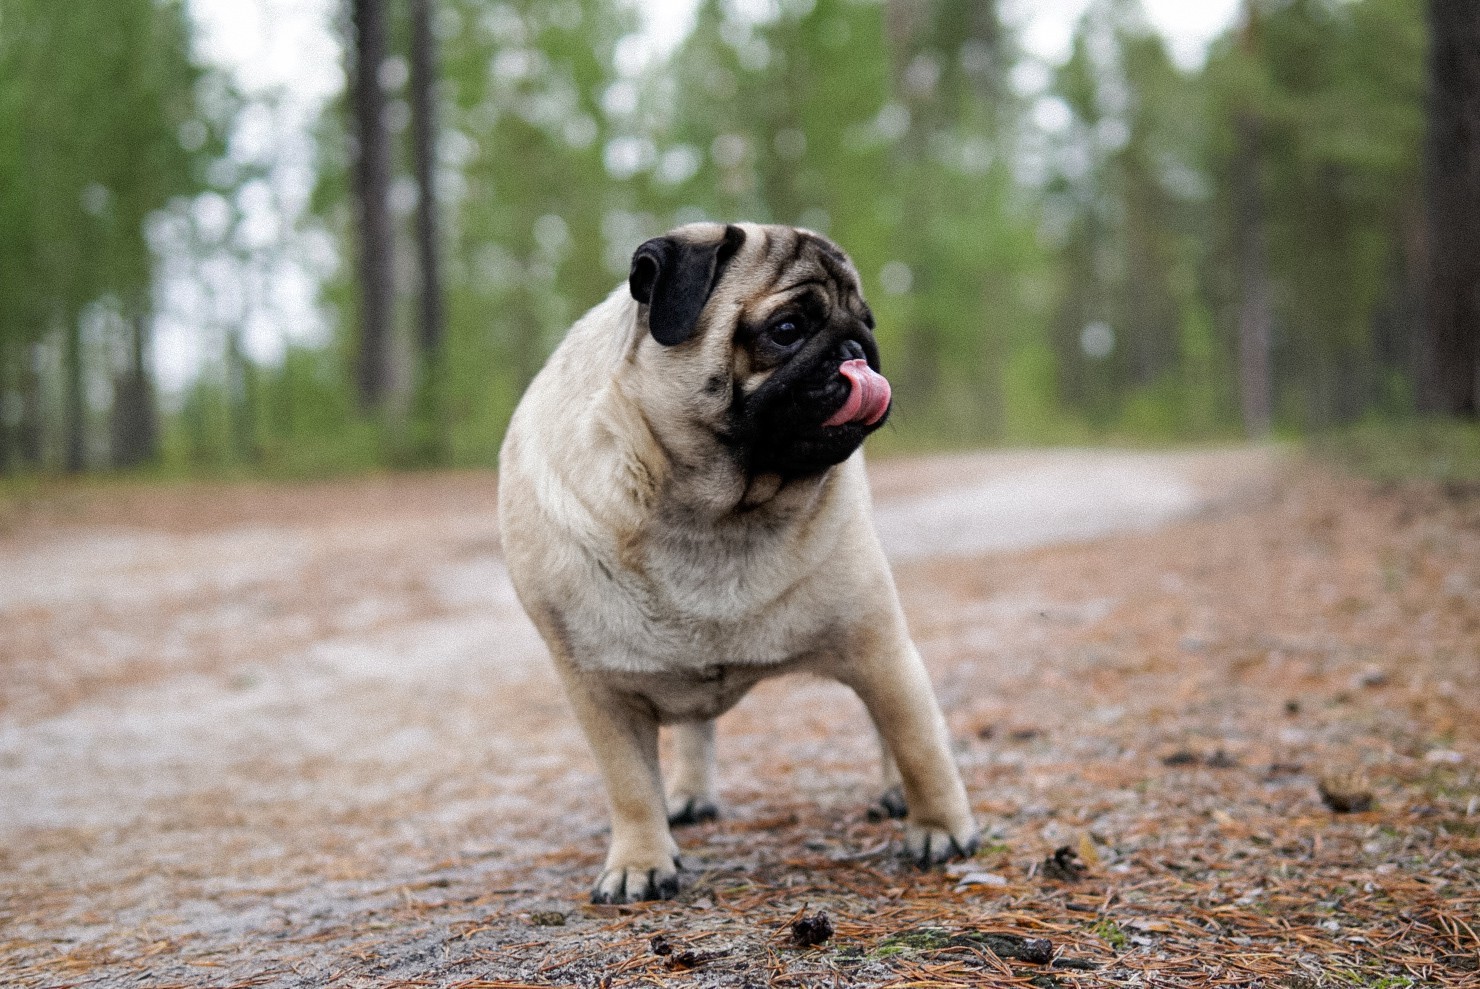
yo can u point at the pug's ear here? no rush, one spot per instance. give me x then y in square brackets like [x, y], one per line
[674, 276]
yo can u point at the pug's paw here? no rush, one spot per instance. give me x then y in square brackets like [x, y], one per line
[931, 844]
[634, 883]
[890, 804]
[684, 808]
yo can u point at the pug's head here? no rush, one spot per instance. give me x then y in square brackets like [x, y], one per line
[758, 338]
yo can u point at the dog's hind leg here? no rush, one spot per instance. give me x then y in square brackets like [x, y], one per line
[890, 801]
[691, 784]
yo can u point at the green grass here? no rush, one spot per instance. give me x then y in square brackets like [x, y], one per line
[22, 491]
[887, 950]
[1366, 981]
[1110, 932]
[1445, 451]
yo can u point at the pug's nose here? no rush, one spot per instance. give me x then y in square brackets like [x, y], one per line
[853, 350]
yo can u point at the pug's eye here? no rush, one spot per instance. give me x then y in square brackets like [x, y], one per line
[785, 333]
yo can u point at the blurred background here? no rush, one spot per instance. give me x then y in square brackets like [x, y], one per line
[295, 237]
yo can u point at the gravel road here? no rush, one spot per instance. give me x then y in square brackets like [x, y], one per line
[236, 722]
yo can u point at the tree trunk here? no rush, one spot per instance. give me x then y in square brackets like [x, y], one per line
[1255, 297]
[6, 405]
[424, 153]
[907, 28]
[428, 229]
[135, 431]
[1449, 357]
[1255, 305]
[241, 397]
[28, 439]
[372, 183]
[992, 404]
[74, 457]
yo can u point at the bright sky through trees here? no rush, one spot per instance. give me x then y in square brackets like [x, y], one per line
[286, 50]
[1077, 220]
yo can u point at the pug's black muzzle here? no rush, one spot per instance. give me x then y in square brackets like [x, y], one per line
[779, 427]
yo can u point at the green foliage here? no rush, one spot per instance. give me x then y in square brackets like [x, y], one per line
[92, 101]
[1109, 932]
[1369, 981]
[1129, 192]
[912, 942]
[1338, 91]
[1030, 409]
[1414, 449]
[1035, 280]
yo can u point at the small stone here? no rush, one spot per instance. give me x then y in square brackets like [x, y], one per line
[1063, 865]
[1036, 950]
[1465, 963]
[807, 931]
[1347, 793]
[1299, 980]
[981, 879]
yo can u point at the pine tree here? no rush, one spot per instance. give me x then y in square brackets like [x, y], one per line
[1449, 370]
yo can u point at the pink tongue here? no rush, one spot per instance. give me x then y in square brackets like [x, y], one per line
[868, 395]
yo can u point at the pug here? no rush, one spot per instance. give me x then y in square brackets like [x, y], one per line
[684, 513]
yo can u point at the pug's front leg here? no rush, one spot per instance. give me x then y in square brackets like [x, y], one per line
[642, 863]
[888, 676]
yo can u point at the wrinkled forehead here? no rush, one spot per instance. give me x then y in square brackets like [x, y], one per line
[782, 266]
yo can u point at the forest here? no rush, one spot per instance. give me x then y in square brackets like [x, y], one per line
[1180, 495]
[1116, 248]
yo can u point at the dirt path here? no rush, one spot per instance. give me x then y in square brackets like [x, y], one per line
[304, 736]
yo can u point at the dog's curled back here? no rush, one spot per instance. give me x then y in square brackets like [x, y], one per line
[684, 513]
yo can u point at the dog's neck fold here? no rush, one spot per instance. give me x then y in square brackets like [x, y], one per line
[761, 489]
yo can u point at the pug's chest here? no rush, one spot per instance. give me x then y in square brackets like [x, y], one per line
[693, 693]
[746, 633]
[694, 620]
